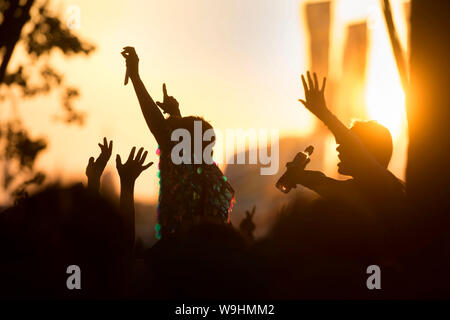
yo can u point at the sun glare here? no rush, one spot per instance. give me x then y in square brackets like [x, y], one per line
[385, 97]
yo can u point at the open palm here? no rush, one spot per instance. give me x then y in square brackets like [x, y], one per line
[132, 168]
[314, 96]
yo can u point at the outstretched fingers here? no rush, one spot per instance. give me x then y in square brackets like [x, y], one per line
[106, 148]
[118, 161]
[310, 82]
[102, 145]
[316, 82]
[305, 86]
[324, 82]
[141, 161]
[131, 156]
[147, 166]
[302, 101]
[138, 155]
[134, 165]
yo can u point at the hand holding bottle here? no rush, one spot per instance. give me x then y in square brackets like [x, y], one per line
[284, 184]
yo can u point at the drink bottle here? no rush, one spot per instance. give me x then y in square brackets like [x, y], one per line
[300, 161]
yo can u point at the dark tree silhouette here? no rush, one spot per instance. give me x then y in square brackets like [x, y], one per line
[428, 171]
[32, 26]
[428, 112]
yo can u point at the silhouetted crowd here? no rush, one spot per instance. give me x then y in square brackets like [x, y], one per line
[317, 248]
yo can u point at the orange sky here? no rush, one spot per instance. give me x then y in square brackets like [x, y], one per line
[237, 63]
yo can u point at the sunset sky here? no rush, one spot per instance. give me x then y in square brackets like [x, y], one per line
[236, 63]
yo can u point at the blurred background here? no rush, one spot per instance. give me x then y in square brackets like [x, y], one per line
[236, 63]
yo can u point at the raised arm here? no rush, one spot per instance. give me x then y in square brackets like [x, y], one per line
[169, 105]
[95, 168]
[318, 182]
[364, 165]
[152, 115]
[128, 173]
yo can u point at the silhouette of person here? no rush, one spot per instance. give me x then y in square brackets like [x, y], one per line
[189, 192]
[95, 167]
[128, 173]
[364, 152]
[55, 228]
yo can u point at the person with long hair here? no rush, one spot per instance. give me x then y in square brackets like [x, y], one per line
[190, 191]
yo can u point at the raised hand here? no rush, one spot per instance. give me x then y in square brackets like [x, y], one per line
[132, 62]
[95, 168]
[169, 104]
[314, 96]
[130, 170]
[249, 215]
[247, 226]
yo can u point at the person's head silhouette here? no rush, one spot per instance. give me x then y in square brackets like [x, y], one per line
[195, 126]
[376, 138]
[193, 188]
